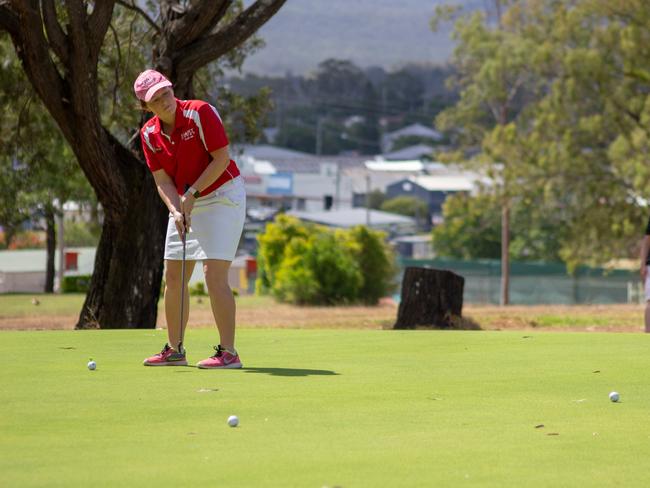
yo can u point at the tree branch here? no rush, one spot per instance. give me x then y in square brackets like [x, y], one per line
[98, 23]
[199, 20]
[132, 6]
[55, 34]
[212, 47]
[33, 50]
[76, 18]
[9, 21]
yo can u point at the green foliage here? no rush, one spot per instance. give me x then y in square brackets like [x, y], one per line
[375, 261]
[81, 234]
[75, 284]
[376, 198]
[272, 243]
[198, 289]
[409, 206]
[472, 230]
[555, 95]
[317, 271]
[305, 264]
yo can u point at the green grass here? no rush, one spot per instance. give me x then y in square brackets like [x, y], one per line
[20, 305]
[349, 408]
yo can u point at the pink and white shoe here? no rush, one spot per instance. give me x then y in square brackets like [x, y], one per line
[167, 357]
[222, 359]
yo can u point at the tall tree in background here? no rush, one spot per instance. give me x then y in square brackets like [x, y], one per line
[584, 144]
[59, 44]
[40, 168]
[492, 72]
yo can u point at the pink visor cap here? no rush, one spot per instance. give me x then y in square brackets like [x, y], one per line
[148, 83]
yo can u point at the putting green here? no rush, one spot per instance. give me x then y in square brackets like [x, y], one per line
[346, 408]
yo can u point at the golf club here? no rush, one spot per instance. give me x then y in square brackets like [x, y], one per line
[184, 239]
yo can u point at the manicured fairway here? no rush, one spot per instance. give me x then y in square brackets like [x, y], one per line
[348, 408]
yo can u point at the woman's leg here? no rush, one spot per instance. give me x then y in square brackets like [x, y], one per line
[173, 270]
[221, 299]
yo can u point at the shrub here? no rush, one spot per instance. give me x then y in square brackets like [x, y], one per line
[375, 260]
[409, 206]
[28, 239]
[314, 265]
[75, 284]
[317, 271]
[198, 289]
[272, 243]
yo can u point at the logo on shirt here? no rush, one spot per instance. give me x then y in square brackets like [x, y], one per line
[188, 134]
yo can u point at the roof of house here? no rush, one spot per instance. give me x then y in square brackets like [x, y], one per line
[418, 130]
[441, 182]
[351, 217]
[269, 152]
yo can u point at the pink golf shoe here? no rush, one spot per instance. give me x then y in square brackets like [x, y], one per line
[222, 359]
[167, 357]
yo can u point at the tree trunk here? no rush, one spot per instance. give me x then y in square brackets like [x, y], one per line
[505, 254]
[51, 249]
[10, 232]
[431, 298]
[125, 286]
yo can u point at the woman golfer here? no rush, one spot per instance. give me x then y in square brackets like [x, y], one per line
[186, 149]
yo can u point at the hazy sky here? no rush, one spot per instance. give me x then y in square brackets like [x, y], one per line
[368, 32]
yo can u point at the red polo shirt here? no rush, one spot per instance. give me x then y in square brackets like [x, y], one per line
[185, 153]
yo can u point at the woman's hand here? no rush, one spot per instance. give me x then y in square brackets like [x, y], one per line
[179, 220]
[187, 204]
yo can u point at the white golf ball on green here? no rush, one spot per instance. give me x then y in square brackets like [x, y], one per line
[92, 365]
[233, 421]
[614, 396]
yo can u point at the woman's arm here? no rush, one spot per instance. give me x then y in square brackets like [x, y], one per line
[169, 195]
[167, 190]
[219, 163]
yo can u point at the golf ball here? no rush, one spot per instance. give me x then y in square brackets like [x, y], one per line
[92, 365]
[614, 396]
[233, 421]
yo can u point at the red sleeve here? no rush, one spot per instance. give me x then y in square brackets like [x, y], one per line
[214, 134]
[147, 149]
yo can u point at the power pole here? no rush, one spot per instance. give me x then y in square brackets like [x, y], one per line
[368, 198]
[338, 185]
[319, 136]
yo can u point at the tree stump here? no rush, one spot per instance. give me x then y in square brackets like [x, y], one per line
[431, 298]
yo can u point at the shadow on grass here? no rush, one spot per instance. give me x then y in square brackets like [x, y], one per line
[290, 371]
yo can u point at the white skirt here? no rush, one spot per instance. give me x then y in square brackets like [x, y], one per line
[216, 228]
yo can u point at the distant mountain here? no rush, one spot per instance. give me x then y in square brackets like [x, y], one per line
[385, 33]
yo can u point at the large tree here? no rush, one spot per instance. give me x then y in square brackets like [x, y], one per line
[59, 44]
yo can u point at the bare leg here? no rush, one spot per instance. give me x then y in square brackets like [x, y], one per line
[221, 299]
[647, 316]
[173, 298]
